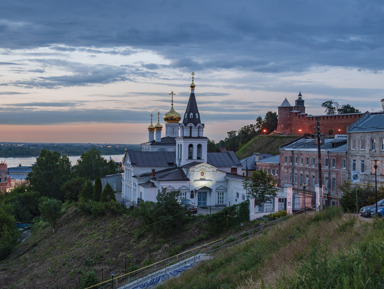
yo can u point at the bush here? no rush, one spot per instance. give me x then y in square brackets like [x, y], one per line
[100, 209]
[277, 215]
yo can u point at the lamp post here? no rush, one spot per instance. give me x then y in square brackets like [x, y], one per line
[305, 198]
[375, 166]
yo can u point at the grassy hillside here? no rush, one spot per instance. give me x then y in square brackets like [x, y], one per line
[266, 144]
[91, 246]
[325, 250]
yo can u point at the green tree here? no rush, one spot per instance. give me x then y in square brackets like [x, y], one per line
[8, 233]
[92, 165]
[87, 191]
[365, 196]
[212, 147]
[260, 186]
[330, 106]
[269, 123]
[24, 203]
[347, 108]
[72, 188]
[50, 210]
[168, 212]
[108, 194]
[49, 173]
[98, 190]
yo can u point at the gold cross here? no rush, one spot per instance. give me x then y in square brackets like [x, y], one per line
[172, 94]
[151, 117]
[193, 76]
[158, 117]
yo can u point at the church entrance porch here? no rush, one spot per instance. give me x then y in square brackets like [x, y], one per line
[202, 199]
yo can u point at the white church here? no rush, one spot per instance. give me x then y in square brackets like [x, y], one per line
[180, 161]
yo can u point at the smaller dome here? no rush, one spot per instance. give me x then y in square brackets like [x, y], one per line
[158, 126]
[172, 116]
[151, 127]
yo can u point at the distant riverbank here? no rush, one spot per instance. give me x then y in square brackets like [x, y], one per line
[29, 161]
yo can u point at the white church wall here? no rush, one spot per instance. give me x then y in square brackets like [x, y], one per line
[235, 193]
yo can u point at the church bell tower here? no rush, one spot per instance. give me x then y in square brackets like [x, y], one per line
[191, 145]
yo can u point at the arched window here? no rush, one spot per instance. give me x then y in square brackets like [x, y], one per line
[190, 151]
[197, 115]
[199, 151]
[190, 131]
[191, 115]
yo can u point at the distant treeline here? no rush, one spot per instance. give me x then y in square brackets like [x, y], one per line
[73, 149]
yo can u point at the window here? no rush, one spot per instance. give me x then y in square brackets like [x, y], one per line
[191, 115]
[220, 198]
[373, 143]
[362, 169]
[313, 180]
[326, 162]
[353, 165]
[285, 159]
[199, 151]
[382, 144]
[306, 180]
[343, 164]
[285, 178]
[362, 143]
[333, 163]
[272, 171]
[237, 195]
[190, 151]
[197, 115]
[243, 197]
[313, 162]
[301, 179]
[307, 161]
[333, 184]
[290, 178]
[277, 172]
[326, 183]
[353, 144]
[290, 159]
[296, 160]
[268, 171]
[301, 161]
[295, 179]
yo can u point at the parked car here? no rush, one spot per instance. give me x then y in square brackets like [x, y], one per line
[379, 210]
[189, 205]
[366, 211]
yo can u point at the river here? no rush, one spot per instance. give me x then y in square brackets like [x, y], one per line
[14, 162]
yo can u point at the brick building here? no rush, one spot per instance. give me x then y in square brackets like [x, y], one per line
[294, 121]
[299, 165]
[4, 179]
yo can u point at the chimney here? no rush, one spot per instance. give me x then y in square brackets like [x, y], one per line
[382, 104]
[153, 173]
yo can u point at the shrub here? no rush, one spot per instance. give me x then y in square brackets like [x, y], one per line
[277, 215]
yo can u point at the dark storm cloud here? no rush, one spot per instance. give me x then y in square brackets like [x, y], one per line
[17, 116]
[265, 36]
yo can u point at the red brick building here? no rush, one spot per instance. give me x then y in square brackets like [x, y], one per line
[294, 121]
[5, 182]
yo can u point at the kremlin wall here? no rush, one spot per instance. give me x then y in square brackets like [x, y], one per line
[293, 120]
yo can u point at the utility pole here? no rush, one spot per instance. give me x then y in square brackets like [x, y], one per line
[319, 162]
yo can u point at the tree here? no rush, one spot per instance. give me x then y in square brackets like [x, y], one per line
[347, 108]
[330, 106]
[50, 210]
[72, 188]
[8, 233]
[261, 186]
[92, 165]
[87, 191]
[269, 123]
[365, 196]
[168, 212]
[108, 194]
[212, 147]
[49, 173]
[98, 190]
[24, 203]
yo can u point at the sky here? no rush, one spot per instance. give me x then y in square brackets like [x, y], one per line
[93, 71]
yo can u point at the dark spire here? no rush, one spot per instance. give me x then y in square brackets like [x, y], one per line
[192, 114]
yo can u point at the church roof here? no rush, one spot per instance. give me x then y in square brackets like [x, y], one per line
[223, 159]
[151, 159]
[285, 103]
[168, 140]
[192, 112]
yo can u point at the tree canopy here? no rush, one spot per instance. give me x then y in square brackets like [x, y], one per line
[332, 107]
[261, 186]
[92, 165]
[49, 173]
[50, 210]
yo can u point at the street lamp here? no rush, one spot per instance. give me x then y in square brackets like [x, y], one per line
[375, 166]
[305, 198]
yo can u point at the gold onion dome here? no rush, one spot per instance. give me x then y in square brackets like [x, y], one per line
[172, 116]
[158, 126]
[151, 127]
